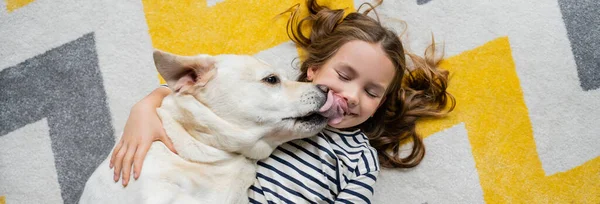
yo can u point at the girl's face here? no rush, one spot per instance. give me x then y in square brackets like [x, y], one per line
[359, 72]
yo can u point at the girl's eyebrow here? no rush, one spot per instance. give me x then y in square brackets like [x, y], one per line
[349, 69]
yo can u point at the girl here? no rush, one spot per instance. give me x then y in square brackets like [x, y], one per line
[364, 64]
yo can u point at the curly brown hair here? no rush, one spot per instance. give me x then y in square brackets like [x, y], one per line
[413, 94]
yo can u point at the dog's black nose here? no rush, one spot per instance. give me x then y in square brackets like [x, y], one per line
[323, 88]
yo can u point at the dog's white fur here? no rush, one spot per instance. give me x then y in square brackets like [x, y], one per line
[224, 114]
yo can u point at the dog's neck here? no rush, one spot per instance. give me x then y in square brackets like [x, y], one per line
[197, 132]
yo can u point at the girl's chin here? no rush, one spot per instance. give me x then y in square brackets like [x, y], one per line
[337, 125]
[341, 125]
[347, 122]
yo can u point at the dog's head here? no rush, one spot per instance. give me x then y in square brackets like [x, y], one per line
[245, 93]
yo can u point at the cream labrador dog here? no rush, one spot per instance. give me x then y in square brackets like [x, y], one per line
[226, 112]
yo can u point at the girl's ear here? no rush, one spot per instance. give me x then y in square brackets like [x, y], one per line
[310, 73]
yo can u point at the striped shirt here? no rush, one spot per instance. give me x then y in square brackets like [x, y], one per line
[332, 167]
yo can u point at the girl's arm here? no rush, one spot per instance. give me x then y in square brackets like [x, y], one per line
[142, 128]
[359, 189]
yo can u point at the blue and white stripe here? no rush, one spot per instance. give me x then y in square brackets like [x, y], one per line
[333, 167]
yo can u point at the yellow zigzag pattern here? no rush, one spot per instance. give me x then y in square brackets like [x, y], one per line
[191, 27]
[490, 103]
[12, 5]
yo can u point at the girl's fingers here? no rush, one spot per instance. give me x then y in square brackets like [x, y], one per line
[167, 141]
[127, 162]
[114, 153]
[118, 160]
[138, 160]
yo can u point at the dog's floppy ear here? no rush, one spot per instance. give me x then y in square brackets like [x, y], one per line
[183, 72]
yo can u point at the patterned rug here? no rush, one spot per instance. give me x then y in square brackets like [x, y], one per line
[526, 75]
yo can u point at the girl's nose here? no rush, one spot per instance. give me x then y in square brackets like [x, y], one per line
[352, 100]
[352, 103]
[351, 95]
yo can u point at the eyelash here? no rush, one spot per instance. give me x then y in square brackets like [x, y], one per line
[371, 95]
[343, 77]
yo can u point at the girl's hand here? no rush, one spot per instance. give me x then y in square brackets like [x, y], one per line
[141, 129]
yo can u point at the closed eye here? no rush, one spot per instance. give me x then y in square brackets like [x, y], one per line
[371, 94]
[343, 76]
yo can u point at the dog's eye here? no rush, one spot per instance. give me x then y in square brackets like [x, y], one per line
[271, 79]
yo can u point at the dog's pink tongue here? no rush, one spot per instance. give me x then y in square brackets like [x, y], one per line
[334, 108]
